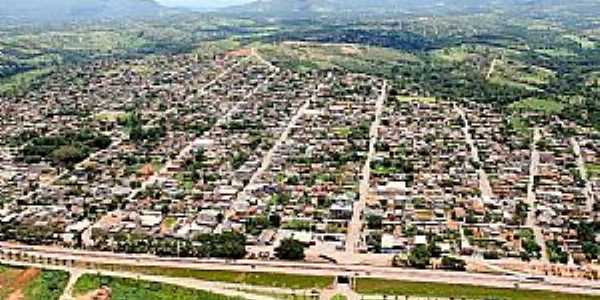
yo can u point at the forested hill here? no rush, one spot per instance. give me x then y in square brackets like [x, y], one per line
[55, 11]
[294, 9]
[304, 8]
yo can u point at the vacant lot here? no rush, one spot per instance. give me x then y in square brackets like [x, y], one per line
[7, 279]
[31, 284]
[131, 289]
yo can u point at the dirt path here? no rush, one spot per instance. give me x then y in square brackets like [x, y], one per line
[68, 292]
[21, 282]
[492, 68]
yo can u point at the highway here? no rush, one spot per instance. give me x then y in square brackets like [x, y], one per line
[94, 260]
[229, 289]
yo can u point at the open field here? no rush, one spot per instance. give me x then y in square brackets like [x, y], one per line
[593, 170]
[391, 287]
[259, 279]
[539, 105]
[130, 289]
[22, 81]
[31, 284]
[308, 56]
[584, 42]
[514, 73]
[7, 277]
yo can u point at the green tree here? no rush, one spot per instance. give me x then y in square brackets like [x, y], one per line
[374, 222]
[68, 155]
[434, 249]
[454, 264]
[591, 250]
[275, 220]
[419, 257]
[290, 249]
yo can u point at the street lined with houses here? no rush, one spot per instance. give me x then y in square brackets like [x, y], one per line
[234, 156]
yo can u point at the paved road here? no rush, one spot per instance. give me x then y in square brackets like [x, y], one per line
[186, 150]
[257, 54]
[467, 133]
[152, 179]
[355, 227]
[558, 284]
[228, 289]
[583, 172]
[531, 198]
[322, 269]
[116, 142]
[340, 289]
[268, 158]
[74, 275]
[484, 183]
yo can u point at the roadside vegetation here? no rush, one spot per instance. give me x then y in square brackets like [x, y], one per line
[251, 278]
[49, 285]
[131, 289]
[456, 291]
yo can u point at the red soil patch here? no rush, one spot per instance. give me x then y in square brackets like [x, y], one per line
[103, 293]
[21, 281]
[241, 52]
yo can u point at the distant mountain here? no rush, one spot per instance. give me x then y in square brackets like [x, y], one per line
[19, 11]
[306, 8]
[285, 8]
[314, 8]
[201, 4]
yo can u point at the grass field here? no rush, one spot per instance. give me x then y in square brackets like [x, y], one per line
[22, 81]
[131, 289]
[582, 41]
[515, 74]
[97, 40]
[49, 285]
[339, 297]
[392, 287]
[251, 278]
[556, 53]
[539, 105]
[593, 170]
[416, 99]
[457, 54]
[304, 57]
[520, 125]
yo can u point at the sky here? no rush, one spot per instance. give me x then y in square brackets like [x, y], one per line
[201, 3]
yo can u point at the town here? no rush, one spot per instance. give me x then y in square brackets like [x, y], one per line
[164, 155]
